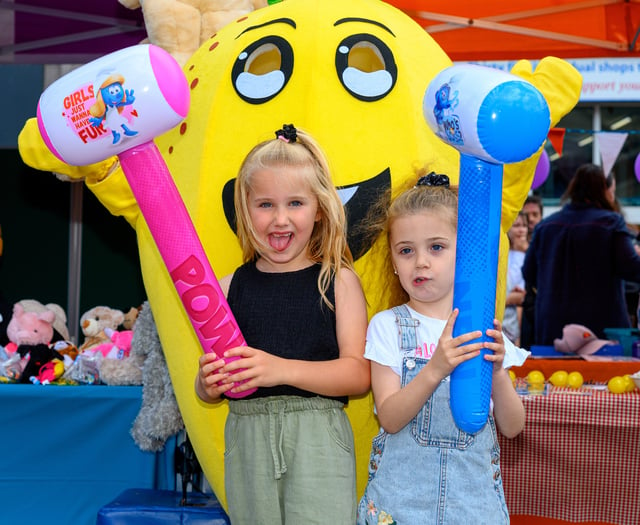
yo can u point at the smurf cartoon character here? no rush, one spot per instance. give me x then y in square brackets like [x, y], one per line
[111, 98]
[448, 123]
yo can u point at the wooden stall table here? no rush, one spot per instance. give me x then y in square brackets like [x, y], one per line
[577, 459]
[596, 369]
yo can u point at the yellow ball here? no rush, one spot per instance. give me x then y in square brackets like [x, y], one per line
[559, 378]
[575, 380]
[617, 385]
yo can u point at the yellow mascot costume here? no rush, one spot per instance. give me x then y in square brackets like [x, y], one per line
[353, 73]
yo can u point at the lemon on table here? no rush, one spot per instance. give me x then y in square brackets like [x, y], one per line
[617, 385]
[559, 378]
[575, 380]
[630, 386]
[535, 377]
[535, 380]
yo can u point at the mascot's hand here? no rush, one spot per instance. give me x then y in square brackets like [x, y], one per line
[35, 154]
[560, 84]
[557, 80]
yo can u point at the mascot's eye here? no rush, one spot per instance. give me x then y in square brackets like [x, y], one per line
[262, 70]
[366, 67]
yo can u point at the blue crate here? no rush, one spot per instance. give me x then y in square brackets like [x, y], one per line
[162, 507]
[550, 351]
[624, 336]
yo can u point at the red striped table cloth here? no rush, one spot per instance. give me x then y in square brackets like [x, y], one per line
[577, 459]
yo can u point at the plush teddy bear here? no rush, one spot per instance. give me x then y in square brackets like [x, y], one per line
[130, 317]
[31, 332]
[181, 26]
[93, 323]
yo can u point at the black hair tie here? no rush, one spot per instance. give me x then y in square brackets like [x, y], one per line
[288, 133]
[433, 179]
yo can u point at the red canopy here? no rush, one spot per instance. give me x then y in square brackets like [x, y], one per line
[500, 30]
[75, 31]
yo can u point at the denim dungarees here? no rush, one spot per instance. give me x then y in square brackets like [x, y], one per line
[431, 472]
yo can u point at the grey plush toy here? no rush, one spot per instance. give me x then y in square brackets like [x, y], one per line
[159, 417]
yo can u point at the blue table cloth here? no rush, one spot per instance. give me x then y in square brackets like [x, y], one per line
[67, 452]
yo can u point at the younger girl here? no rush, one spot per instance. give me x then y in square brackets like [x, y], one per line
[289, 454]
[423, 469]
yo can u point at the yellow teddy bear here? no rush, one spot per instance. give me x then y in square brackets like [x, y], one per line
[181, 26]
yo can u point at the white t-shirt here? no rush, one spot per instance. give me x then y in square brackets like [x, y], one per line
[510, 322]
[514, 270]
[383, 345]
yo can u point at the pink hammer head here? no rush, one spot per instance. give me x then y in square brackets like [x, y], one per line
[113, 104]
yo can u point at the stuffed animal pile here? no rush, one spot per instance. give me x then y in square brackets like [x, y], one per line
[118, 349]
[39, 349]
[104, 341]
[33, 332]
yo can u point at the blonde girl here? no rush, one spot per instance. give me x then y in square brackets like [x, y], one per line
[289, 446]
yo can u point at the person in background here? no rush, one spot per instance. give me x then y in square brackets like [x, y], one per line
[578, 260]
[518, 245]
[532, 208]
[289, 447]
[423, 468]
[610, 182]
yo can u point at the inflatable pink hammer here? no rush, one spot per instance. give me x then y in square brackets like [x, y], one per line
[116, 105]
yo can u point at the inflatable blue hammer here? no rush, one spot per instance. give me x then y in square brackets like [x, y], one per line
[491, 118]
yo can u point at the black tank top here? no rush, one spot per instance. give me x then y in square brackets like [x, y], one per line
[284, 314]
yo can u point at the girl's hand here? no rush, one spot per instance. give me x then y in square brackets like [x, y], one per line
[497, 346]
[451, 351]
[515, 297]
[260, 368]
[211, 378]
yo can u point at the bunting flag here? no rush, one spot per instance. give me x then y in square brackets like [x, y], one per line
[556, 137]
[610, 145]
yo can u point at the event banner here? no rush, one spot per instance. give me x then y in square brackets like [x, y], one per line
[604, 79]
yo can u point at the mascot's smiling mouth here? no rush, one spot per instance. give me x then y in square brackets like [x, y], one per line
[356, 198]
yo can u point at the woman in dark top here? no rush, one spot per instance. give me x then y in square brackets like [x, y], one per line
[578, 260]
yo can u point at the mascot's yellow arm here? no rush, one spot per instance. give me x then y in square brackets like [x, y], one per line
[560, 84]
[105, 178]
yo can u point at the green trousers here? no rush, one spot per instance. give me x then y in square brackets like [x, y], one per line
[289, 461]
